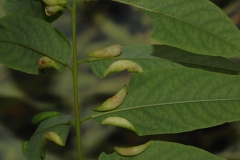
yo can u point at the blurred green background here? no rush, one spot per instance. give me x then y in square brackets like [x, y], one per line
[100, 24]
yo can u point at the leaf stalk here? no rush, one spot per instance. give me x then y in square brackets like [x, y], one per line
[75, 79]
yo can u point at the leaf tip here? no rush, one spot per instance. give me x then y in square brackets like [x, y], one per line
[132, 151]
[111, 51]
[43, 115]
[121, 65]
[46, 62]
[52, 10]
[113, 102]
[52, 136]
[119, 122]
[24, 147]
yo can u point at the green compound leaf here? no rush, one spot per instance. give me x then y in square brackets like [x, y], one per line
[166, 151]
[177, 100]
[24, 40]
[36, 148]
[195, 26]
[152, 57]
[31, 8]
[141, 54]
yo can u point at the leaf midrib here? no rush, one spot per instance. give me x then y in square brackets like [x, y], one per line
[158, 12]
[162, 104]
[162, 59]
[64, 123]
[35, 51]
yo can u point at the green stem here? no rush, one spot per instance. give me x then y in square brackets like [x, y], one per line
[70, 67]
[75, 79]
[82, 61]
[87, 60]
[86, 118]
[69, 7]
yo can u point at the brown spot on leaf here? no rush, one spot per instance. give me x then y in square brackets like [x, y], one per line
[46, 62]
[43, 62]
